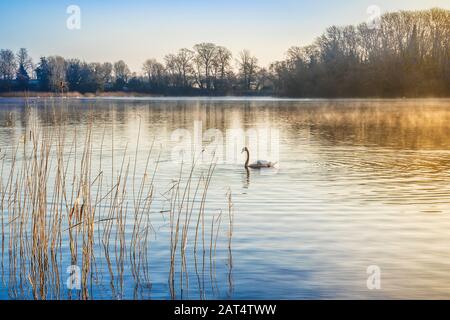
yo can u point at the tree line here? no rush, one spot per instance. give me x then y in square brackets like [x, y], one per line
[204, 69]
[406, 54]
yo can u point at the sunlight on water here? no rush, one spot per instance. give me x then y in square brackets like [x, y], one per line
[359, 183]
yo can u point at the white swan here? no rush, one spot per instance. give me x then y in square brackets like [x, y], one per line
[258, 164]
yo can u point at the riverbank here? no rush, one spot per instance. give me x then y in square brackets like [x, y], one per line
[36, 94]
[128, 94]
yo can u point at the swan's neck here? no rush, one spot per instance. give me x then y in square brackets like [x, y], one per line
[248, 158]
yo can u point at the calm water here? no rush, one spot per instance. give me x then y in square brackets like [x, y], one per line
[358, 184]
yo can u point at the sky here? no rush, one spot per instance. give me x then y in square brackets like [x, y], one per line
[135, 30]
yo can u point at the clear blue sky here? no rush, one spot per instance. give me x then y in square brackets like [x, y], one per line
[135, 30]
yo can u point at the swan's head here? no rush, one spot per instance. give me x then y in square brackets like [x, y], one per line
[244, 149]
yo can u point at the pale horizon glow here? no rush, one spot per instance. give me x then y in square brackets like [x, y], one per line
[137, 30]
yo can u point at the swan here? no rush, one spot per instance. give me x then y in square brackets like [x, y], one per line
[258, 164]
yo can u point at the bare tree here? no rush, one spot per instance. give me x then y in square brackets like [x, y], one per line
[248, 67]
[102, 74]
[205, 55]
[148, 68]
[391, 60]
[8, 65]
[222, 62]
[154, 72]
[121, 71]
[24, 61]
[172, 69]
[57, 66]
[107, 71]
[180, 67]
[183, 61]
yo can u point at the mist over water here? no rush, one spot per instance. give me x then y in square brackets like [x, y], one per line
[359, 183]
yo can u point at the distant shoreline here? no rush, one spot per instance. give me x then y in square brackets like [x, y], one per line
[146, 97]
[123, 94]
[38, 94]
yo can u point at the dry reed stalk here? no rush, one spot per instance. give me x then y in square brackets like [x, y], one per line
[54, 206]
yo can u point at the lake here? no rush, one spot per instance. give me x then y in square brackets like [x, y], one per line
[148, 198]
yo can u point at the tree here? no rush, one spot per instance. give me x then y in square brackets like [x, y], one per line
[25, 61]
[8, 65]
[155, 73]
[74, 74]
[102, 74]
[248, 67]
[222, 62]
[149, 69]
[408, 55]
[222, 70]
[180, 67]
[57, 66]
[121, 73]
[183, 61]
[172, 70]
[22, 78]
[43, 74]
[205, 55]
[25, 68]
[84, 77]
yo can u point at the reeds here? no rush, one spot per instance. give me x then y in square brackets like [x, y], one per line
[58, 201]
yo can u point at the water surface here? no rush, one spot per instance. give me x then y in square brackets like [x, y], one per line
[359, 183]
